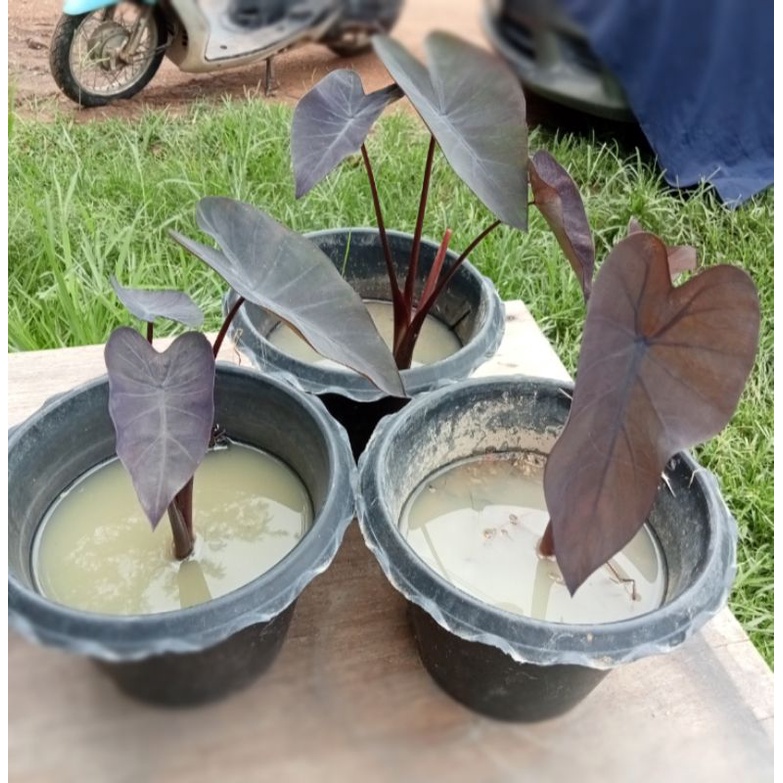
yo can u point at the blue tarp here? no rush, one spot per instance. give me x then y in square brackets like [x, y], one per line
[698, 75]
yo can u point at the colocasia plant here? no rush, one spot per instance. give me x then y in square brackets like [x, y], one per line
[474, 109]
[162, 403]
[661, 369]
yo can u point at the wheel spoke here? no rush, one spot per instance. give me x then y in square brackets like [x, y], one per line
[94, 59]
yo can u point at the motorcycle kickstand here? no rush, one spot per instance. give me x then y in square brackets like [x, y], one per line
[270, 83]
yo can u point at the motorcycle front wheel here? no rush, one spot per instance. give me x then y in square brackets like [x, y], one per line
[89, 59]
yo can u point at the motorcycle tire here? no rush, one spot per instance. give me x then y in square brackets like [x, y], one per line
[361, 20]
[71, 65]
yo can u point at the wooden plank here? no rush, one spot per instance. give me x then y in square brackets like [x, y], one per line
[348, 699]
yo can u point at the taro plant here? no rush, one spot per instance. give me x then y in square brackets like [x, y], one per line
[162, 403]
[661, 369]
[474, 108]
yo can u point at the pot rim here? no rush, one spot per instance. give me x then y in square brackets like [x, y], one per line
[134, 637]
[324, 380]
[527, 640]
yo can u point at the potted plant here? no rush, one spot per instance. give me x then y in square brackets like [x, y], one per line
[474, 109]
[546, 533]
[189, 622]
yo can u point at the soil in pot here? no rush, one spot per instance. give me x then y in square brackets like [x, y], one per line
[466, 327]
[473, 626]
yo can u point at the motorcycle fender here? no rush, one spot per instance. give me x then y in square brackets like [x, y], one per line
[78, 7]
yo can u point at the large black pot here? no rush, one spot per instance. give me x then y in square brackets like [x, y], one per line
[203, 652]
[469, 305]
[497, 662]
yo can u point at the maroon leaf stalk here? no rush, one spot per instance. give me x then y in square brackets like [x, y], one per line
[398, 303]
[409, 318]
[413, 263]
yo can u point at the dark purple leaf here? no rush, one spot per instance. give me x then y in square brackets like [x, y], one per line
[149, 305]
[474, 106]
[288, 275]
[661, 369]
[682, 258]
[557, 197]
[162, 407]
[331, 122]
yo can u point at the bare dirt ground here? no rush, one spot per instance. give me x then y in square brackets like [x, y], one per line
[31, 24]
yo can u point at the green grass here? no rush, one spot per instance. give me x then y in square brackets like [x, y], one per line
[90, 200]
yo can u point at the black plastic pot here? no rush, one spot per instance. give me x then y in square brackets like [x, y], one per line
[469, 305]
[499, 663]
[203, 652]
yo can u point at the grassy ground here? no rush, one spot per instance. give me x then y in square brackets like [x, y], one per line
[97, 199]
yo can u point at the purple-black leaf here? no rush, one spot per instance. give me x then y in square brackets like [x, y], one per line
[682, 258]
[557, 198]
[149, 305]
[162, 406]
[475, 108]
[331, 122]
[661, 369]
[285, 273]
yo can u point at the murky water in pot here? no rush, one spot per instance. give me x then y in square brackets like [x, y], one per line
[95, 550]
[477, 523]
[436, 341]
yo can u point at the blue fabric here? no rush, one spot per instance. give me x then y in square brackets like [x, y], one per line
[698, 75]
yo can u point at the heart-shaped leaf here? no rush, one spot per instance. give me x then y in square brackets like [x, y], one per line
[149, 305]
[474, 106]
[661, 369]
[331, 122]
[285, 273]
[682, 258]
[162, 406]
[558, 199]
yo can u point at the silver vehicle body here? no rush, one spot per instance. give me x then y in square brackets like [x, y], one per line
[205, 37]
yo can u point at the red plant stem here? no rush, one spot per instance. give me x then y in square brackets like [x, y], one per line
[426, 305]
[226, 323]
[397, 301]
[406, 340]
[150, 330]
[437, 265]
[403, 354]
[182, 522]
[184, 501]
[413, 264]
[546, 546]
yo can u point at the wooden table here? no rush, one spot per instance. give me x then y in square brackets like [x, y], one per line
[348, 700]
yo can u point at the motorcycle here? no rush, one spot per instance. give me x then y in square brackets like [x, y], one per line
[103, 51]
